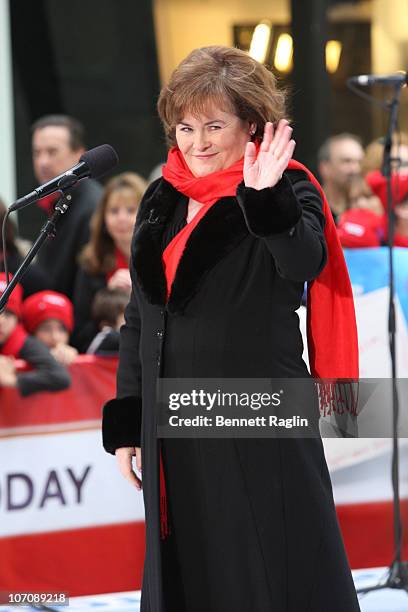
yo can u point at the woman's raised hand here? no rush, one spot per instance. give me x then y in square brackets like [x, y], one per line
[124, 456]
[266, 168]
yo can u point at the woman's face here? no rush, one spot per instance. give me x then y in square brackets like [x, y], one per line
[213, 141]
[120, 215]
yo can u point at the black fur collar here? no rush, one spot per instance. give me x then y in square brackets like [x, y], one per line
[220, 231]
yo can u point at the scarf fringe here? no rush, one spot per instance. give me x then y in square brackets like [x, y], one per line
[337, 396]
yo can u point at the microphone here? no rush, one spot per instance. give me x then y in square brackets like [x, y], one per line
[92, 164]
[399, 78]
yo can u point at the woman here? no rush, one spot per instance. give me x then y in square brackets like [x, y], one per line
[222, 247]
[105, 259]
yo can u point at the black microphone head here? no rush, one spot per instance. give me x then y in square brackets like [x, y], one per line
[100, 160]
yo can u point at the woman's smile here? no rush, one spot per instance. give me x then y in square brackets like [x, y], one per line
[199, 156]
[212, 141]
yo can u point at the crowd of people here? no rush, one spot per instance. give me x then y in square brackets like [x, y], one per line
[357, 190]
[73, 297]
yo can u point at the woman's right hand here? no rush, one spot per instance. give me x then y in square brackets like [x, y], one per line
[124, 456]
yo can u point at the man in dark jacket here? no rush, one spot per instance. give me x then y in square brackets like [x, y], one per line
[57, 145]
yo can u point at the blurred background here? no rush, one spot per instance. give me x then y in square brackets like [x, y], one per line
[103, 61]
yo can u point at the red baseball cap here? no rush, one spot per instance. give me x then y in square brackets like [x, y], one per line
[16, 297]
[45, 305]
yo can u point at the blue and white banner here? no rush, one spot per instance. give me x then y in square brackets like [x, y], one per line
[369, 274]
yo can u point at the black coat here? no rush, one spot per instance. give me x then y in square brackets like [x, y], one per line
[58, 257]
[253, 521]
[86, 287]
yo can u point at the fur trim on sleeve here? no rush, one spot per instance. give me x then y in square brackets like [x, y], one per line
[121, 423]
[269, 211]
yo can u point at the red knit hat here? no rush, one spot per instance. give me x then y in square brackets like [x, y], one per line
[45, 305]
[15, 299]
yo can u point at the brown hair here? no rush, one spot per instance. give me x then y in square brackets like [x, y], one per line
[98, 256]
[324, 152]
[374, 151]
[74, 127]
[227, 77]
[108, 305]
[358, 185]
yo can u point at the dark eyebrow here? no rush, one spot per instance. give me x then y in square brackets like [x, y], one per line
[207, 123]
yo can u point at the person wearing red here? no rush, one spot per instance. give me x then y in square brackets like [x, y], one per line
[104, 261]
[49, 317]
[362, 225]
[46, 373]
[222, 247]
[399, 189]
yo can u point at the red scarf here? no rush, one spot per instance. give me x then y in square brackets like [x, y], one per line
[331, 323]
[121, 262]
[206, 190]
[14, 342]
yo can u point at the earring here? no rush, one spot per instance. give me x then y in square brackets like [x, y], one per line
[252, 132]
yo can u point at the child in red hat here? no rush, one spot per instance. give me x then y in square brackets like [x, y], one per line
[362, 224]
[48, 316]
[47, 374]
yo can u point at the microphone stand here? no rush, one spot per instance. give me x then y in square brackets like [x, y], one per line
[47, 231]
[398, 570]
